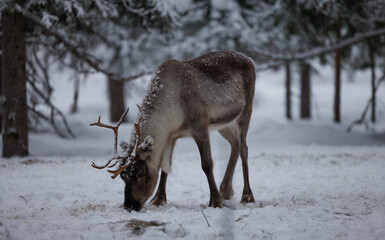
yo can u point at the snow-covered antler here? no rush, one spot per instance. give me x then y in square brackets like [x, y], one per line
[115, 160]
[137, 127]
[114, 128]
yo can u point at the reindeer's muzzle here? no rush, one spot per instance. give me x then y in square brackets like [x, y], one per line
[129, 202]
[132, 205]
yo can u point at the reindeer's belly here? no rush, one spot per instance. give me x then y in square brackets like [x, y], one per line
[216, 102]
[223, 116]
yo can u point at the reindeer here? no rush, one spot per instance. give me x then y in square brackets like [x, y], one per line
[212, 92]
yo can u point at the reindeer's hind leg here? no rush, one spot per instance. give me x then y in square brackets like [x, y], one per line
[160, 198]
[247, 195]
[231, 134]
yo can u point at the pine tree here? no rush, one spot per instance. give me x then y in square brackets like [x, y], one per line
[87, 31]
[15, 120]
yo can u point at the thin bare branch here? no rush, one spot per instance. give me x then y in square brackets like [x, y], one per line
[44, 70]
[45, 118]
[134, 77]
[53, 108]
[361, 120]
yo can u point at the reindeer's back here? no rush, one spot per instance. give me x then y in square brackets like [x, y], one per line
[218, 86]
[219, 66]
[222, 67]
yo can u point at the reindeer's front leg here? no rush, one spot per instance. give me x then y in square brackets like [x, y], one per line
[160, 198]
[202, 139]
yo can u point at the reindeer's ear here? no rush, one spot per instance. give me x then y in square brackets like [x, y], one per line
[146, 146]
[124, 145]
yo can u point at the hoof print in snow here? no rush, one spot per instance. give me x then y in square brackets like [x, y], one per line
[176, 232]
[263, 204]
[87, 208]
[34, 161]
[138, 227]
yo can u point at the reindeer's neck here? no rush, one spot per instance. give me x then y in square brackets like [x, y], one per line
[160, 136]
[161, 116]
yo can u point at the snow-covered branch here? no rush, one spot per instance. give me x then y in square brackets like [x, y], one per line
[320, 50]
[91, 60]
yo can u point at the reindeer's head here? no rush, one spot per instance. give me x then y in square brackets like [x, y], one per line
[139, 175]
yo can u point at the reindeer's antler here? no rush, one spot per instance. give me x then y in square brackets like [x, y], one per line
[108, 165]
[137, 127]
[115, 159]
[114, 128]
[118, 171]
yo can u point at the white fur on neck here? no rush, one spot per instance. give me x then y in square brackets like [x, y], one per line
[159, 126]
[161, 112]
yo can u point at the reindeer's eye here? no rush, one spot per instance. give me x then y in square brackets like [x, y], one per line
[139, 175]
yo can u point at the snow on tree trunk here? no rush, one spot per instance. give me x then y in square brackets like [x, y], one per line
[288, 91]
[116, 99]
[337, 89]
[15, 119]
[305, 99]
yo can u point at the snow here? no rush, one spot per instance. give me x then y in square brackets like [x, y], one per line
[310, 179]
[153, 88]
[48, 20]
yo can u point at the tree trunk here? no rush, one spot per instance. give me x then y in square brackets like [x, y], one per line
[373, 69]
[288, 91]
[208, 10]
[305, 101]
[1, 91]
[15, 120]
[337, 90]
[74, 106]
[116, 93]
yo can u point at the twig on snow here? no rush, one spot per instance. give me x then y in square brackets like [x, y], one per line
[25, 200]
[243, 216]
[208, 224]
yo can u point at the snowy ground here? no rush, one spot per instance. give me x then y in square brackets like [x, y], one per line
[311, 179]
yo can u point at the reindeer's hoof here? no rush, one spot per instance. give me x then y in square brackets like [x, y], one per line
[227, 192]
[247, 198]
[216, 201]
[159, 200]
